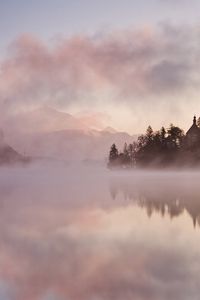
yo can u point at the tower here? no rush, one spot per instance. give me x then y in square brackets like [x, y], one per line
[193, 134]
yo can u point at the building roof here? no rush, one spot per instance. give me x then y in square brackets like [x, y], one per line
[194, 129]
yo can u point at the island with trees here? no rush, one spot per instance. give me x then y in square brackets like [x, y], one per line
[160, 149]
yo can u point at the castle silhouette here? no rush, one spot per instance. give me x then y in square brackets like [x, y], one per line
[193, 134]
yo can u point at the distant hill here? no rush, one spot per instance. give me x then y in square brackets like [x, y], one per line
[50, 133]
[9, 156]
[44, 119]
[110, 130]
[71, 144]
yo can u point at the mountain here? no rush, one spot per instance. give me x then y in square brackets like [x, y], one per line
[72, 144]
[10, 156]
[50, 133]
[110, 130]
[44, 119]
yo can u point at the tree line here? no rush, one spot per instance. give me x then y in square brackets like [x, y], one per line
[162, 148]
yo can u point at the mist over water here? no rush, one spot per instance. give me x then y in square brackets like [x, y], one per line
[80, 231]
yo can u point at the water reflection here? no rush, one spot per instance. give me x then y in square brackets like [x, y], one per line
[170, 193]
[62, 236]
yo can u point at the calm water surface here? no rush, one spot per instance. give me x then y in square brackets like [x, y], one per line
[85, 233]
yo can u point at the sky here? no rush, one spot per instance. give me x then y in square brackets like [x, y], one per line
[135, 62]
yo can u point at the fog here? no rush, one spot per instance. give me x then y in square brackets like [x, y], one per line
[81, 231]
[120, 73]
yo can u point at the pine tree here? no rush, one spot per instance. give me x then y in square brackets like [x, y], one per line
[149, 133]
[126, 157]
[163, 136]
[113, 154]
[175, 136]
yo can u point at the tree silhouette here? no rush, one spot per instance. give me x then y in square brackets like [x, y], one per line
[161, 148]
[113, 156]
[175, 136]
[163, 136]
[126, 159]
[149, 134]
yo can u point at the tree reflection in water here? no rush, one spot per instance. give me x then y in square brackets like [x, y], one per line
[62, 236]
[170, 194]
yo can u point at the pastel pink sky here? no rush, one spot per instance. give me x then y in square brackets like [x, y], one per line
[132, 74]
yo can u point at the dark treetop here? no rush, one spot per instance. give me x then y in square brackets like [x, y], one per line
[163, 148]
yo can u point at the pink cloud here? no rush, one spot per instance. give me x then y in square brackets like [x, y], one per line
[132, 62]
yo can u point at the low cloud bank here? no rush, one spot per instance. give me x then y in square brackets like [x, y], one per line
[134, 67]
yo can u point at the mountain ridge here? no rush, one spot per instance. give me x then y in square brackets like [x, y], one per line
[48, 132]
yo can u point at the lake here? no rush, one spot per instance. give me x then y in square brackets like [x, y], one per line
[82, 232]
